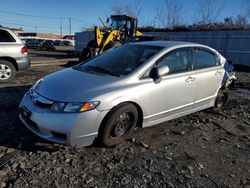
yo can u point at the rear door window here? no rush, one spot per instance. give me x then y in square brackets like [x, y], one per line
[5, 36]
[204, 59]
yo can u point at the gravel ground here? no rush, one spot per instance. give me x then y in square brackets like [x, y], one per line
[203, 149]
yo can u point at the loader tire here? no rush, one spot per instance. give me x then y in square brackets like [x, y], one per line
[112, 44]
[88, 51]
[86, 54]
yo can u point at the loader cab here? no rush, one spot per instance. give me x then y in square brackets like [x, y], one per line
[124, 23]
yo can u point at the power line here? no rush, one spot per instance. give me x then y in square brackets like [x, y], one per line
[29, 15]
[28, 22]
[84, 22]
[27, 25]
[44, 17]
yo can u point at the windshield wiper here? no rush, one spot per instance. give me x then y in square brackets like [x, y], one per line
[102, 70]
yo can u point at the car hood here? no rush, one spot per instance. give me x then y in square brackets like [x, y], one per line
[70, 85]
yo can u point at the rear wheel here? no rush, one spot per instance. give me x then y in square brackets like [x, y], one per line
[7, 71]
[221, 100]
[118, 125]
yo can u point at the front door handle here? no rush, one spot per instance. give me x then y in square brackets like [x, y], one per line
[190, 79]
[218, 73]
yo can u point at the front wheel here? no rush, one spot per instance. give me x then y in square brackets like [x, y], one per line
[7, 71]
[118, 125]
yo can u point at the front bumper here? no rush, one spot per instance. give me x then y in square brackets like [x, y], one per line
[76, 129]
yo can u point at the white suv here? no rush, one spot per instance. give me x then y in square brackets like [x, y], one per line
[13, 55]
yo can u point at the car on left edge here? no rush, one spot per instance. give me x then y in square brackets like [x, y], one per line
[13, 55]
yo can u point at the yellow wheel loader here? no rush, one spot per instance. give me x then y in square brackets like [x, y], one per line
[122, 29]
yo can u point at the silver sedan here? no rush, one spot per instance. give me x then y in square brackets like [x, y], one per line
[140, 84]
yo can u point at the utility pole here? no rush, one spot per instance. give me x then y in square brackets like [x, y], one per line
[61, 28]
[69, 26]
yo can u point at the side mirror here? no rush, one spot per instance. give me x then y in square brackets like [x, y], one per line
[107, 20]
[157, 72]
[163, 70]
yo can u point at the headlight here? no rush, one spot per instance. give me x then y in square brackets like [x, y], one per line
[74, 107]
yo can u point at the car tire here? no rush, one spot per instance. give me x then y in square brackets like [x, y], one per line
[118, 124]
[221, 100]
[7, 71]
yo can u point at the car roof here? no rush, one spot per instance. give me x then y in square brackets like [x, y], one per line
[168, 44]
[6, 29]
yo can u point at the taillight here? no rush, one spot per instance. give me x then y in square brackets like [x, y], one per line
[24, 50]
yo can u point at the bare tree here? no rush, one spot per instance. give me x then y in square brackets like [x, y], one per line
[128, 9]
[208, 11]
[241, 21]
[228, 22]
[169, 15]
[247, 13]
[161, 17]
[118, 8]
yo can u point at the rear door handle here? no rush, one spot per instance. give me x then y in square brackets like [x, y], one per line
[218, 73]
[190, 79]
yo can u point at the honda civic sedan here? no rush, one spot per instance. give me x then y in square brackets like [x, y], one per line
[135, 85]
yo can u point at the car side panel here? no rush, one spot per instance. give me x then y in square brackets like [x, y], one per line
[208, 82]
[11, 50]
[171, 96]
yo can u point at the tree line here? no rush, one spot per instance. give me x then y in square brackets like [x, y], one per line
[169, 17]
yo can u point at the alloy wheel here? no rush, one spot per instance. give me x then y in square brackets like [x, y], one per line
[5, 72]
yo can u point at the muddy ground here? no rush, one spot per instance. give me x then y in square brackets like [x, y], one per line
[199, 150]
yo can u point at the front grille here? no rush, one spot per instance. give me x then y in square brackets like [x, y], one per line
[39, 100]
[43, 105]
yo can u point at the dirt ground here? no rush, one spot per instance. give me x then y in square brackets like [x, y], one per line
[203, 149]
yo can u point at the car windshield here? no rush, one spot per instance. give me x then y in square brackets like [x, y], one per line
[120, 61]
